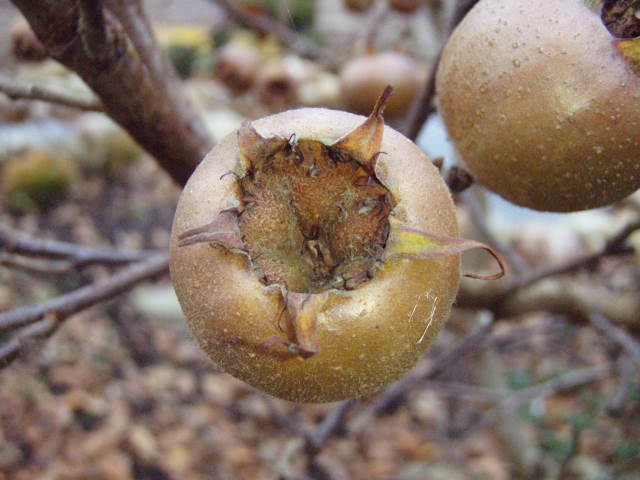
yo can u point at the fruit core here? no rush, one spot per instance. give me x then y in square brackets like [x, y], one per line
[312, 217]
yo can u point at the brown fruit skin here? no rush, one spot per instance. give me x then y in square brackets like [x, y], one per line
[368, 337]
[363, 78]
[541, 105]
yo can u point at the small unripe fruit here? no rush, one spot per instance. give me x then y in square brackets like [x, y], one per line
[300, 256]
[404, 6]
[543, 104]
[363, 77]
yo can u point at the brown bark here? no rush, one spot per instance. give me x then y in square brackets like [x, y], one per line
[89, 40]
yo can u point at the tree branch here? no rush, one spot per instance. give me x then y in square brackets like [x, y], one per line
[167, 126]
[15, 90]
[84, 297]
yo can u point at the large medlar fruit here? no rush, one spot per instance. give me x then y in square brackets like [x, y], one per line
[543, 103]
[310, 264]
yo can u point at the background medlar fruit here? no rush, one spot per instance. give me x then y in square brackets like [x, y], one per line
[365, 76]
[543, 104]
[308, 263]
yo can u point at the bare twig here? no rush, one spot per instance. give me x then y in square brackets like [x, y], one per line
[26, 338]
[288, 37]
[570, 380]
[72, 255]
[424, 106]
[35, 265]
[614, 246]
[392, 394]
[15, 90]
[328, 427]
[618, 335]
[84, 297]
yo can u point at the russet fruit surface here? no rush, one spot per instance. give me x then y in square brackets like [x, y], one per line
[308, 302]
[542, 105]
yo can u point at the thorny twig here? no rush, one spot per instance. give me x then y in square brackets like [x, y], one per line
[15, 90]
[288, 37]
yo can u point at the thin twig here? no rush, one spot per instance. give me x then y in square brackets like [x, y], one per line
[618, 335]
[15, 90]
[328, 427]
[392, 394]
[84, 297]
[424, 106]
[573, 379]
[26, 338]
[35, 265]
[614, 246]
[288, 37]
[74, 255]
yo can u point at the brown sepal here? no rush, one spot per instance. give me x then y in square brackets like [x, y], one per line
[256, 149]
[364, 142]
[302, 310]
[223, 230]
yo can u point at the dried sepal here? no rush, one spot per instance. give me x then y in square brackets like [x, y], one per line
[621, 18]
[254, 148]
[223, 231]
[302, 311]
[412, 243]
[363, 143]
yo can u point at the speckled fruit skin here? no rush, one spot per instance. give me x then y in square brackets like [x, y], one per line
[541, 105]
[368, 337]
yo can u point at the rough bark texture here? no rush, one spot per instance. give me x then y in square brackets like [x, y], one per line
[151, 110]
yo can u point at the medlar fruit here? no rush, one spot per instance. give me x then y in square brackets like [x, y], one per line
[543, 103]
[307, 262]
[363, 77]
